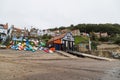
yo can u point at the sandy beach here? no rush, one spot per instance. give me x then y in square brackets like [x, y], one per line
[26, 65]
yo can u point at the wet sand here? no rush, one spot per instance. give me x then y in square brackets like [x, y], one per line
[25, 65]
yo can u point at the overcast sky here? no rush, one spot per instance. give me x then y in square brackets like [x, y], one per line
[45, 14]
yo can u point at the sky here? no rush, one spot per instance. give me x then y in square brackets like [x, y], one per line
[44, 14]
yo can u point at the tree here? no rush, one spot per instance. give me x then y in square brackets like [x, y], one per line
[46, 37]
[61, 28]
[117, 41]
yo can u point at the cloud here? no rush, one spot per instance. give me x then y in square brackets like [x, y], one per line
[55, 13]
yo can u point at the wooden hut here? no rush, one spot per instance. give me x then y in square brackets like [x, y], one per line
[62, 42]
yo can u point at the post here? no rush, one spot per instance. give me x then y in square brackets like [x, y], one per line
[89, 44]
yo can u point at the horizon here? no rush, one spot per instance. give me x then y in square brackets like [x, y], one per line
[53, 27]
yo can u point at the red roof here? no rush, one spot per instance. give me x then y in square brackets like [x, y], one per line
[5, 26]
[57, 37]
[17, 29]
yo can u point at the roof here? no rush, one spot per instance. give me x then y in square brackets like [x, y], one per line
[57, 37]
[17, 29]
[3, 33]
[4, 26]
[64, 30]
[1, 25]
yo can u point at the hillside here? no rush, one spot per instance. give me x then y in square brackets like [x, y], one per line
[109, 28]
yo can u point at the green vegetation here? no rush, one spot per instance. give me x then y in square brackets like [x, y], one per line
[117, 40]
[94, 45]
[104, 39]
[109, 28]
[46, 37]
[79, 39]
[113, 31]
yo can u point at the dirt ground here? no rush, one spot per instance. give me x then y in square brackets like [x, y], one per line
[25, 65]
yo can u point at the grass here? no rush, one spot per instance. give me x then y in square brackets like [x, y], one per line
[79, 39]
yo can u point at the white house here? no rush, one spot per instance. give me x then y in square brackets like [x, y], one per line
[3, 28]
[46, 31]
[3, 31]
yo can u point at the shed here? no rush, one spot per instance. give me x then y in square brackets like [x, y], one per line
[62, 42]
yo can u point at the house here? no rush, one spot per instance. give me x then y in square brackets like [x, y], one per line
[16, 32]
[76, 32]
[46, 31]
[50, 33]
[56, 32]
[100, 34]
[42, 32]
[104, 34]
[97, 34]
[84, 34]
[64, 31]
[3, 31]
[33, 32]
[24, 32]
[62, 42]
[3, 28]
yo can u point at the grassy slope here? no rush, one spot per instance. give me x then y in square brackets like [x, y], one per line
[79, 39]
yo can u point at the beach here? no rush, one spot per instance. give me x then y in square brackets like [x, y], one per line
[26, 65]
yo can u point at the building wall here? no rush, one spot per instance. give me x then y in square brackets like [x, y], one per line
[3, 31]
[76, 32]
[4, 28]
[63, 42]
[58, 41]
[83, 47]
[34, 32]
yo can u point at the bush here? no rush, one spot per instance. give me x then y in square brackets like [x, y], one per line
[117, 41]
[80, 39]
[104, 39]
[94, 45]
